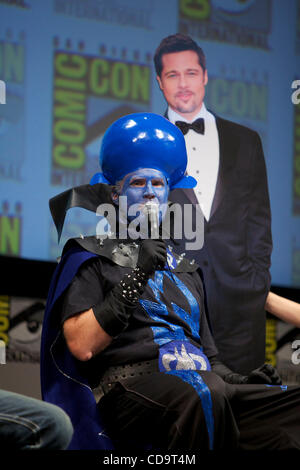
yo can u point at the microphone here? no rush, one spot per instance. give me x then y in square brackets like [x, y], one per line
[151, 210]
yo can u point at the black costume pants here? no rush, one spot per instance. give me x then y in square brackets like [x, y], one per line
[166, 412]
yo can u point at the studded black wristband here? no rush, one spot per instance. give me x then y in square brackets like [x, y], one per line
[113, 314]
[133, 285]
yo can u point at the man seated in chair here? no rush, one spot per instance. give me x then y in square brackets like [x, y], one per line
[126, 320]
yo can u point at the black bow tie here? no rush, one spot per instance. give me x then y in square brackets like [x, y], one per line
[197, 126]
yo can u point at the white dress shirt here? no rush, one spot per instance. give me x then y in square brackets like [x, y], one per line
[203, 157]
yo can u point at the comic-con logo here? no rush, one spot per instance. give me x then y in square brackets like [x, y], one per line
[242, 96]
[10, 229]
[20, 329]
[90, 92]
[244, 23]
[12, 124]
[121, 13]
[233, 6]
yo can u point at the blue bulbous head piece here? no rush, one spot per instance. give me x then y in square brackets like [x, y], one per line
[143, 140]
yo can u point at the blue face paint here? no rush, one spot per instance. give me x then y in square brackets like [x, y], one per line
[142, 186]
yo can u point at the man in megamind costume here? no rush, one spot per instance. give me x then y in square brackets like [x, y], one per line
[126, 321]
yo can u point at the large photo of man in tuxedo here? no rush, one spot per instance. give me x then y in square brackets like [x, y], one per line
[228, 162]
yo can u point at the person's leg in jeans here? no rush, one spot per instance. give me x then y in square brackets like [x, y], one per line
[28, 423]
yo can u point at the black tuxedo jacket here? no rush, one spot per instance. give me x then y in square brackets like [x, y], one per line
[235, 258]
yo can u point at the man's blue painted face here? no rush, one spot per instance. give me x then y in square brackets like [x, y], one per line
[146, 185]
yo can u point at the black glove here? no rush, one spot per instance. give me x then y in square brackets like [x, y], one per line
[265, 374]
[227, 374]
[152, 255]
[114, 312]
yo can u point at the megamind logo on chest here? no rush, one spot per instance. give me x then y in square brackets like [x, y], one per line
[182, 355]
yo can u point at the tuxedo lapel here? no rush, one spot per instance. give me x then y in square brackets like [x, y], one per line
[228, 146]
[184, 195]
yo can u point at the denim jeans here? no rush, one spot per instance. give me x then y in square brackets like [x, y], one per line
[28, 423]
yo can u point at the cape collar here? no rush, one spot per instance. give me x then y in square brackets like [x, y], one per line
[125, 252]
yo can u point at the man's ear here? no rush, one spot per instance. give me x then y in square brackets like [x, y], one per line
[159, 82]
[115, 197]
[205, 77]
